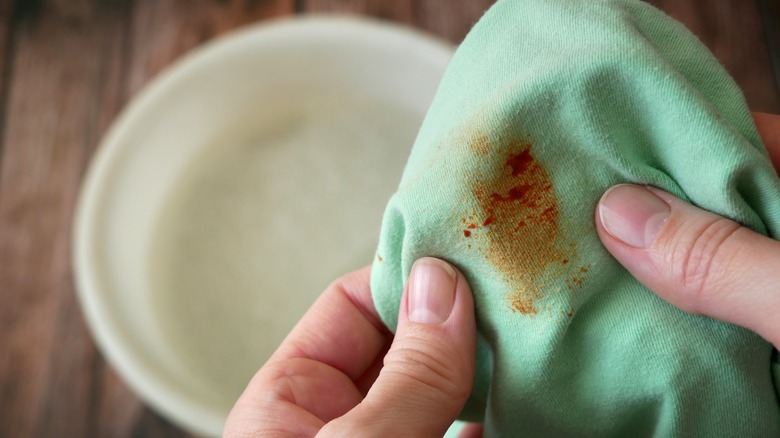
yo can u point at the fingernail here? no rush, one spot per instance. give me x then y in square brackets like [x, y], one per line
[431, 291]
[633, 214]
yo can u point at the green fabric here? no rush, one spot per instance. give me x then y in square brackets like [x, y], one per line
[546, 104]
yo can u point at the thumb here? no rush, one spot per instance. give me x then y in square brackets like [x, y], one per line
[429, 370]
[695, 260]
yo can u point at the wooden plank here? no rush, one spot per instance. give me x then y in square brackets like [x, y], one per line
[164, 30]
[449, 19]
[46, 374]
[733, 31]
[770, 18]
[6, 55]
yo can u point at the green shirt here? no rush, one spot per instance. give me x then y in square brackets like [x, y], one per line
[546, 104]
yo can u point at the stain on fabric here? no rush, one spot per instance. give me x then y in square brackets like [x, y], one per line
[517, 226]
[520, 162]
[479, 143]
[579, 277]
[524, 304]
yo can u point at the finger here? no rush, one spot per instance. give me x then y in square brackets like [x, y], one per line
[429, 370]
[342, 329]
[697, 261]
[291, 398]
[364, 382]
[769, 127]
[311, 378]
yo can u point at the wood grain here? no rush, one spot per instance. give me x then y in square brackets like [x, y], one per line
[448, 19]
[67, 67]
[734, 32]
[52, 89]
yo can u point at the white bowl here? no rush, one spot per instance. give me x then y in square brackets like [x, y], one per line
[233, 189]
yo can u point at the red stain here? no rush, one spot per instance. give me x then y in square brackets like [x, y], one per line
[524, 240]
[520, 224]
[467, 233]
[520, 162]
[524, 213]
[514, 194]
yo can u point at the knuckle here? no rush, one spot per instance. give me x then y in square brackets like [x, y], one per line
[428, 364]
[262, 410]
[695, 254]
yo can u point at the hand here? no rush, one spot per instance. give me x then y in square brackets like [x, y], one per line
[328, 377]
[695, 260]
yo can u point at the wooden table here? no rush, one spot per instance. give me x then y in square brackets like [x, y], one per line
[68, 66]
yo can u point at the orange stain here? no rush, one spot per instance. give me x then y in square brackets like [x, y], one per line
[524, 241]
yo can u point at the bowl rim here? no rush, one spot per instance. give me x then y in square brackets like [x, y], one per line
[106, 332]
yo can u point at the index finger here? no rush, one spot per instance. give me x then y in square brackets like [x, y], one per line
[341, 329]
